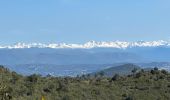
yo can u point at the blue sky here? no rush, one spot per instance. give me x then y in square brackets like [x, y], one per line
[78, 21]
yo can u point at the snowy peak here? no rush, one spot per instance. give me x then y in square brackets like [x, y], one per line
[92, 44]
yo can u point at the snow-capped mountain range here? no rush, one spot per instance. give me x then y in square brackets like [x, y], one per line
[72, 59]
[92, 44]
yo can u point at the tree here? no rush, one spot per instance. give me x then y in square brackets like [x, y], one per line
[101, 73]
[142, 71]
[164, 72]
[134, 70]
[138, 75]
[155, 71]
[129, 98]
[33, 78]
[115, 77]
[156, 68]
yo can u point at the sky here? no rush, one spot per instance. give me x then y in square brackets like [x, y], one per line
[79, 21]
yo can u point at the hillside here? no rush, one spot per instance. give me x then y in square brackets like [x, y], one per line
[124, 69]
[143, 85]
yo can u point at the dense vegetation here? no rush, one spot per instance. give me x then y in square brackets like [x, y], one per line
[140, 85]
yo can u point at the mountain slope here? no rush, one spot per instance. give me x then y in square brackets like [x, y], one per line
[125, 69]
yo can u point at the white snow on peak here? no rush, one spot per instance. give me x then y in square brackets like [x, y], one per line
[91, 44]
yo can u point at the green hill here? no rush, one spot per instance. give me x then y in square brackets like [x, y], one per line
[141, 85]
[124, 69]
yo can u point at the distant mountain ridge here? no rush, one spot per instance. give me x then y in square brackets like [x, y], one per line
[91, 44]
[84, 56]
[47, 58]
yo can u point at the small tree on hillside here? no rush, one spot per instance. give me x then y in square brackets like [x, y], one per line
[115, 77]
[134, 70]
[101, 73]
[156, 68]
